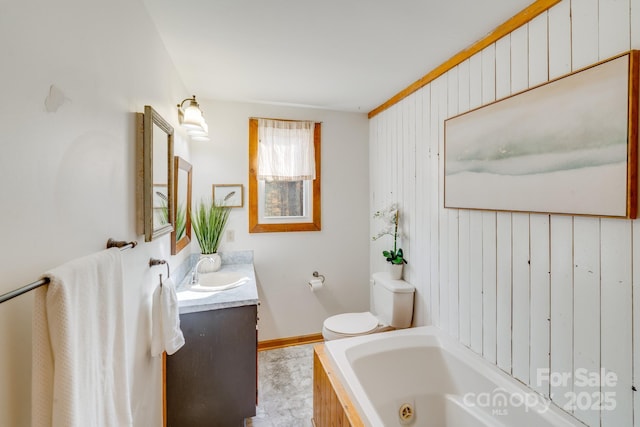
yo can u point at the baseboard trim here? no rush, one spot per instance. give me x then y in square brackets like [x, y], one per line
[288, 342]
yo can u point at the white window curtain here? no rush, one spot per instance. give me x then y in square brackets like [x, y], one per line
[285, 150]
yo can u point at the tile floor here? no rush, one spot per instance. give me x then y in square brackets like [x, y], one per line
[285, 388]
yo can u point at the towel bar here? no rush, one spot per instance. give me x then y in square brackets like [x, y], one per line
[31, 286]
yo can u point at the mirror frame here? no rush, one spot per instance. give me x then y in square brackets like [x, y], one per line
[144, 186]
[181, 164]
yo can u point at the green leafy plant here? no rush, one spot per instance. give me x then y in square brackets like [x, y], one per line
[209, 220]
[181, 221]
[391, 216]
[394, 257]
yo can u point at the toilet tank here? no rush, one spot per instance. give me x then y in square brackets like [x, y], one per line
[392, 300]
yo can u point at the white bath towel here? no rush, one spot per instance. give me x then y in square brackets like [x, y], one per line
[79, 350]
[166, 334]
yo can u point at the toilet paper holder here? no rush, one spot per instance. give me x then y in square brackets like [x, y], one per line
[317, 275]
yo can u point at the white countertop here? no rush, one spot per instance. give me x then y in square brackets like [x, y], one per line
[245, 294]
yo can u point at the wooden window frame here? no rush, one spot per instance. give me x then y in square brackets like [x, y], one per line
[254, 225]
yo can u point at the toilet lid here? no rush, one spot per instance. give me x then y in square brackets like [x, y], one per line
[352, 323]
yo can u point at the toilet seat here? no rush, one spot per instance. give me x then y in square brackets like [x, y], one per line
[352, 323]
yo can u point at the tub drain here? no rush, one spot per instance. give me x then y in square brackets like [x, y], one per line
[406, 413]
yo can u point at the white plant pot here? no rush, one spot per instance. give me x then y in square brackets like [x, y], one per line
[213, 264]
[395, 271]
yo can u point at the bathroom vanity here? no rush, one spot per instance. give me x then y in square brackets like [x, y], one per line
[212, 380]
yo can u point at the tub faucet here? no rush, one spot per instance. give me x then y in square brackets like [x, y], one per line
[194, 275]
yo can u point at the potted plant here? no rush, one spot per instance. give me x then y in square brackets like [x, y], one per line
[395, 257]
[209, 220]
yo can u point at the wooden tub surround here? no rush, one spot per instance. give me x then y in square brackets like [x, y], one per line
[332, 406]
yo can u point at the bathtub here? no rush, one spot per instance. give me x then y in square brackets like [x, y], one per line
[422, 377]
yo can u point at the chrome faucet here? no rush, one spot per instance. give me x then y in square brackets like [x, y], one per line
[194, 275]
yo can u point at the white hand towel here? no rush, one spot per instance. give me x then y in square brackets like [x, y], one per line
[166, 334]
[79, 349]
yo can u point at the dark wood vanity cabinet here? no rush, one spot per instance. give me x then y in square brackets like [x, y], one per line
[211, 381]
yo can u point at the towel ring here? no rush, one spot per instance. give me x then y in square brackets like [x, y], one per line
[155, 261]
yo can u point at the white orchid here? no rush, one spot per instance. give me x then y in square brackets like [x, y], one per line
[390, 216]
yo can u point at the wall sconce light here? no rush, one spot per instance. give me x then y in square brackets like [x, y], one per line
[190, 117]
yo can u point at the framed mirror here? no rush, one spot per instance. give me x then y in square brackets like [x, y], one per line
[155, 177]
[181, 234]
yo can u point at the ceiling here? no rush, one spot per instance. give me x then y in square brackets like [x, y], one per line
[346, 55]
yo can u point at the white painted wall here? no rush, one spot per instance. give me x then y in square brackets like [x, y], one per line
[526, 291]
[284, 262]
[68, 177]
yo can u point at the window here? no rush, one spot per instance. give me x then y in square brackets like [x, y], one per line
[284, 179]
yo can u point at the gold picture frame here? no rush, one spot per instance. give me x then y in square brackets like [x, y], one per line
[229, 195]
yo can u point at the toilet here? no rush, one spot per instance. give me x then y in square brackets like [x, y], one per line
[392, 309]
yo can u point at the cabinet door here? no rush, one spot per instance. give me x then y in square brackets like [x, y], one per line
[211, 381]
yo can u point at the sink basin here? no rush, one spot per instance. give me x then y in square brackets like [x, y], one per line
[219, 281]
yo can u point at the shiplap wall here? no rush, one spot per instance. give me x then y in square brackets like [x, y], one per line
[526, 291]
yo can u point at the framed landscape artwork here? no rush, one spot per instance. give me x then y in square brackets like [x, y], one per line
[568, 146]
